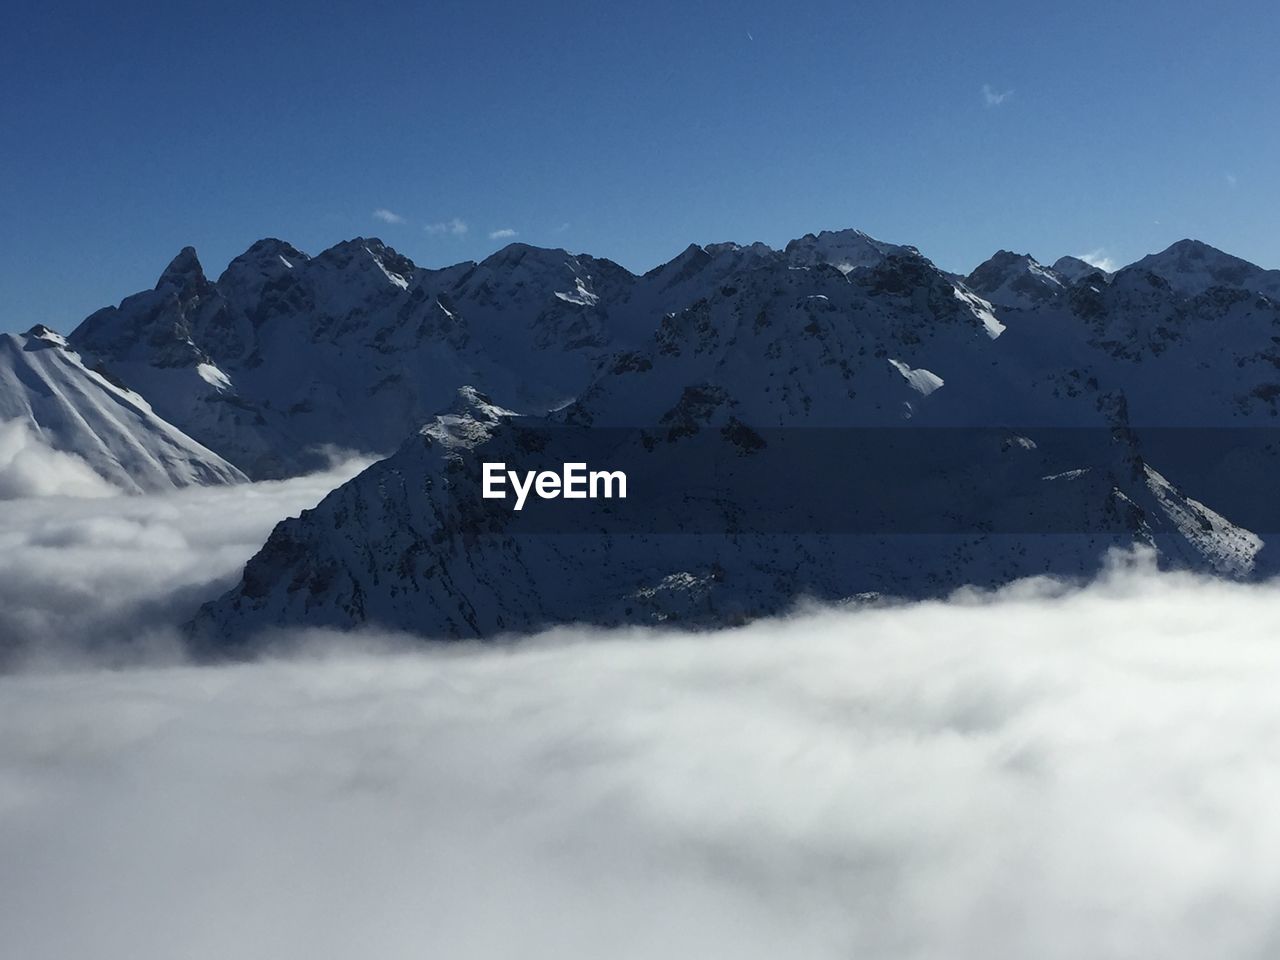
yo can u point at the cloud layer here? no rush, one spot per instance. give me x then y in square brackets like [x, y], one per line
[114, 575]
[1044, 771]
[1039, 773]
[31, 468]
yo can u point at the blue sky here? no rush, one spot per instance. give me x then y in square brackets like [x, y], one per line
[624, 130]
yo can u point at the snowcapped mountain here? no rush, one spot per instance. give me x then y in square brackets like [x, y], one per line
[410, 544]
[286, 355]
[846, 250]
[76, 410]
[975, 396]
[1074, 269]
[783, 341]
[1016, 280]
[1191, 267]
[722, 356]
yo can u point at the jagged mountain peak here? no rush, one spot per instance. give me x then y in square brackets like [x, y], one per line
[674, 276]
[1015, 280]
[513, 254]
[683, 265]
[1191, 267]
[693, 250]
[1190, 247]
[847, 250]
[524, 275]
[355, 244]
[1007, 258]
[844, 235]
[470, 402]
[266, 257]
[371, 257]
[271, 248]
[360, 248]
[358, 347]
[709, 265]
[726, 342]
[1188, 255]
[756, 249]
[183, 271]
[522, 263]
[44, 335]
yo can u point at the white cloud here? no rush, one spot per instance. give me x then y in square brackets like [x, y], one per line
[1232, 182]
[31, 468]
[504, 234]
[455, 226]
[1043, 773]
[992, 97]
[387, 216]
[82, 573]
[1098, 258]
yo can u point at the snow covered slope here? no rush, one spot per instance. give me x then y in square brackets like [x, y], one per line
[1016, 280]
[70, 408]
[772, 350]
[1191, 267]
[287, 355]
[1074, 269]
[720, 526]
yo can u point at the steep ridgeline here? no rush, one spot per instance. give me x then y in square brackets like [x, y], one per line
[46, 386]
[1190, 337]
[966, 432]
[287, 355]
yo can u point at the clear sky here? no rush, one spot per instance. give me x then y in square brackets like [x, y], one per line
[625, 130]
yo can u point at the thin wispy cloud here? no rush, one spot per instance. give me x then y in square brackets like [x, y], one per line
[504, 234]
[1098, 258]
[455, 226]
[1232, 182]
[992, 97]
[387, 216]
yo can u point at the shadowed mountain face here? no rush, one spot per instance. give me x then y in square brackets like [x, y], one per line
[838, 418]
[286, 357]
[697, 378]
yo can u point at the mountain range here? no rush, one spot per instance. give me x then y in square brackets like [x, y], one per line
[723, 355]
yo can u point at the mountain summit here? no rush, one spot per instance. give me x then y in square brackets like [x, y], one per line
[721, 357]
[1191, 267]
[719, 381]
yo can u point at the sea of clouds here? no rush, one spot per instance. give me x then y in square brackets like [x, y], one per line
[1049, 771]
[107, 577]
